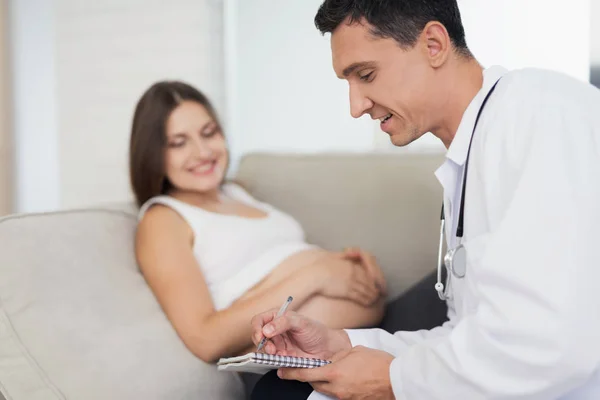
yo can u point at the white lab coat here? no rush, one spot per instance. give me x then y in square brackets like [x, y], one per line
[524, 321]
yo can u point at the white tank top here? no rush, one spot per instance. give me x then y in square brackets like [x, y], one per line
[235, 253]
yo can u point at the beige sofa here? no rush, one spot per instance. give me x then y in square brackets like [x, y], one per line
[77, 320]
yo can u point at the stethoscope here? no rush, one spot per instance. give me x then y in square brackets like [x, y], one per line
[455, 259]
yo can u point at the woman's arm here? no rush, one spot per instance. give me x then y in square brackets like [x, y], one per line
[164, 254]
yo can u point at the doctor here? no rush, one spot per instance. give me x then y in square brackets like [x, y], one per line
[522, 180]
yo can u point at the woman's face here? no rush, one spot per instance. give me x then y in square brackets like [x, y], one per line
[196, 156]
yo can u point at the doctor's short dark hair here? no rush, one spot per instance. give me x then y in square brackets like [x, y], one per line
[401, 20]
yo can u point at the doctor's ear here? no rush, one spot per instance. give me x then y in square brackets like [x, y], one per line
[437, 43]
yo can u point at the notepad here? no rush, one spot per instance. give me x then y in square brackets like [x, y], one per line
[260, 363]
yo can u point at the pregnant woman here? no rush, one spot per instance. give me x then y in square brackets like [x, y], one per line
[213, 255]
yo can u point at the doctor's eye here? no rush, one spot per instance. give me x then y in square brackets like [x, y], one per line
[366, 77]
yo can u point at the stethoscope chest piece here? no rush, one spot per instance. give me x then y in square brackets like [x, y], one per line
[456, 261]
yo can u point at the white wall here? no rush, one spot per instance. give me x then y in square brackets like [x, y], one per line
[6, 144]
[286, 96]
[80, 67]
[595, 30]
[108, 53]
[33, 67]
[595, 45]
[550, 34]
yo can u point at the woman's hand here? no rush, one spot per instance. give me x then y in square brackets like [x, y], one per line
[368, 261]
[340, 277]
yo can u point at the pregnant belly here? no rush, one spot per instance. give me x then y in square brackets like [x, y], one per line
[284, 270]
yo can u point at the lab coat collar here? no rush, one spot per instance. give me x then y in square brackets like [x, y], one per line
[457, 152]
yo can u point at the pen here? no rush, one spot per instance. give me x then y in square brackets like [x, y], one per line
[279, 314]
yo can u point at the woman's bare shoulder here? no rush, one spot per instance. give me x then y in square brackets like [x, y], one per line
[161, 222]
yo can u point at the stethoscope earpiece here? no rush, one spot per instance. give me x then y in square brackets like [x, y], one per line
[439, 288]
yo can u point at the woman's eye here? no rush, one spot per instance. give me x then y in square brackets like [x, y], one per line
[210, 132]
[176, 144]
[366, 77]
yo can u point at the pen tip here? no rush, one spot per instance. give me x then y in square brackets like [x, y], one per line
[290, 298]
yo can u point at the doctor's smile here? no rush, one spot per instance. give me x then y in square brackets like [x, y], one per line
[386, 123]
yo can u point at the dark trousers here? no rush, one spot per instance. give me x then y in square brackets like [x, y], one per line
[418, 308]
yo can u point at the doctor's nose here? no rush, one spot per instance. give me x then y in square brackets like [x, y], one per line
[359, 103]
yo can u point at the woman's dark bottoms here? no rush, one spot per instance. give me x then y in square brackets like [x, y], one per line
[418, 308]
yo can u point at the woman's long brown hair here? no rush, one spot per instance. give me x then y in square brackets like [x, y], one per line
[148, 137]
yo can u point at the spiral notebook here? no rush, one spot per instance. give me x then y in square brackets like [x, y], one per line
[260, 363]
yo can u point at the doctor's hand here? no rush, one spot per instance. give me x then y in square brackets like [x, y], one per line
[356, 374]
[293, 334]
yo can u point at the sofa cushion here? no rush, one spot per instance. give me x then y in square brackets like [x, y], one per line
[77, 320]
[386, 203]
